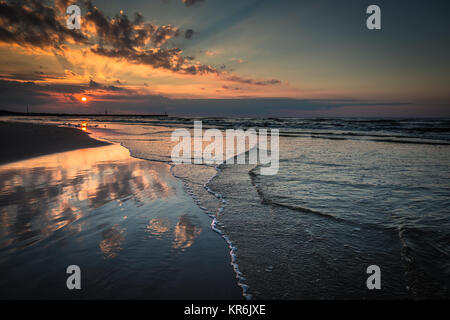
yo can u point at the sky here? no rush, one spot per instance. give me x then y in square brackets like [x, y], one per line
[257, 58]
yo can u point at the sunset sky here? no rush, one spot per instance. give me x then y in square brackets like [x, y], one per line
[227, 58]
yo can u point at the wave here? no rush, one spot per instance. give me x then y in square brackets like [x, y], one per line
[215, 225]
[266, 200]
[425, 131]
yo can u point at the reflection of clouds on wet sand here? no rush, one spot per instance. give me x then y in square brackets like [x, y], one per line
[44, 194]
[158, 226]
[112, 238]
[187, 229]
[63, 214]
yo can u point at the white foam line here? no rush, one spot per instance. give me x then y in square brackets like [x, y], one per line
[214, 226]
[239, 276]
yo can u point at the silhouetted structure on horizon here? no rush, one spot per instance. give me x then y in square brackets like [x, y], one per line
[45, 114]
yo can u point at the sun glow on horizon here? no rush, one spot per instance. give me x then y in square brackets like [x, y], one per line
[83, 99]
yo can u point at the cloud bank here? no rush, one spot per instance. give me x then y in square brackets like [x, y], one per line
[42, 24]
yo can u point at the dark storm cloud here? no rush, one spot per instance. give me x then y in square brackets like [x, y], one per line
[19, 93]
[170, 59]
[96, 85]
[39, 24]
[252, 81]
[122, 33]
[162, 34]
[231, 88]
[121, 38]
[35, 24]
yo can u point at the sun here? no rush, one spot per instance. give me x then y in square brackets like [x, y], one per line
[84, 99]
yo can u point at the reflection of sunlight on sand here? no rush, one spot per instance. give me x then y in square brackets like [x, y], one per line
[112, 238]
[186, 230]
[74, 160]
[5, 223]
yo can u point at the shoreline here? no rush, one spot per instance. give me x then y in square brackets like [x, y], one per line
[214, 225]
[47, 141]
[240, 279]
[21, 141]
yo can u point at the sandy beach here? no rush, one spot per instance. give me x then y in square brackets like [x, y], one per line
[26, 140]
[67, 199]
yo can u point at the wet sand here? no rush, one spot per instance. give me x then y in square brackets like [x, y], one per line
[21, 141]
[127, 223]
